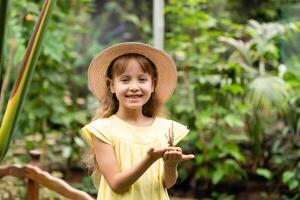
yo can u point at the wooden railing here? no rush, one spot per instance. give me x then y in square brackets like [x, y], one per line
[36, 177]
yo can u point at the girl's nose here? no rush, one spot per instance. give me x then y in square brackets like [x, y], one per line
[133, 87]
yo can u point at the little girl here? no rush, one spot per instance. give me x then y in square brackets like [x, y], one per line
[127, 138]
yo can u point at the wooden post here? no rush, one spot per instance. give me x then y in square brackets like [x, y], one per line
[32, 190]
[32, 186]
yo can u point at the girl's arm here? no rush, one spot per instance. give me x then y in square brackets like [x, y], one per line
[120, 181]
[171, 159]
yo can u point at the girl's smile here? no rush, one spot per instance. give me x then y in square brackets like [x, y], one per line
[134, 96]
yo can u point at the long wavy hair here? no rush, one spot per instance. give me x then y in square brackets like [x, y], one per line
[110, 104]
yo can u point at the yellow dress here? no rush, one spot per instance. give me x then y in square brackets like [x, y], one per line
[130, 144]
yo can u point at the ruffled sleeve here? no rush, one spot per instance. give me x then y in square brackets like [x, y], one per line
[100, 129]
[180, 131]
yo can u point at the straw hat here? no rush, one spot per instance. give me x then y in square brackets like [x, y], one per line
[166, 68]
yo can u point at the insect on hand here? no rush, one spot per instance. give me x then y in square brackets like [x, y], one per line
[170, 136]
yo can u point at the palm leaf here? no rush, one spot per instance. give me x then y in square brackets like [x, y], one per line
[24, 77]
[241, 47]
[267, 93]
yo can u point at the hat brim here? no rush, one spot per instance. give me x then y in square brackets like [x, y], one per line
[165, 66]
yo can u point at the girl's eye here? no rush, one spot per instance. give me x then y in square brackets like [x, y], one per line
[123, 79]
[143, 79]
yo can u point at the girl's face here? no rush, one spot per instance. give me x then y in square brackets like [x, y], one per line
[133, 87]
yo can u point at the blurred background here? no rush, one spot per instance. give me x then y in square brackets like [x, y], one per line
[238, 90]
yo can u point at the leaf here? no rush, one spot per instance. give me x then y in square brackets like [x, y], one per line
[287, 176]
[234, 88]
[234, 151]
[293, 185]
[269, 93]
[217, 175]
[240, 47]
[265, 173]
[234, 120]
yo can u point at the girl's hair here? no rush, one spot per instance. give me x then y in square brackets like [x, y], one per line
[110, 104]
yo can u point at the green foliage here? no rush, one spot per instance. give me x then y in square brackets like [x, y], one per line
[266, 93]
[232, 91]
[207, 102]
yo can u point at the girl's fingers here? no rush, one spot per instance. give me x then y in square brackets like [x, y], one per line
[163, 150]
[187, 157]
[166, 156]
[172, 155]
[177, 149]
[158, 150]
[151, 150]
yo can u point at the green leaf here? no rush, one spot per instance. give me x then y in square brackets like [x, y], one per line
[287, 176]
[269, 93]
[240, 47]
[234, 151]
[265, 173]
[293, 185]
[217, 175]
[234, 88]
[234, 120]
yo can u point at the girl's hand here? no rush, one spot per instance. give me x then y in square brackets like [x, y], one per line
[154, 154]
[174, 156]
